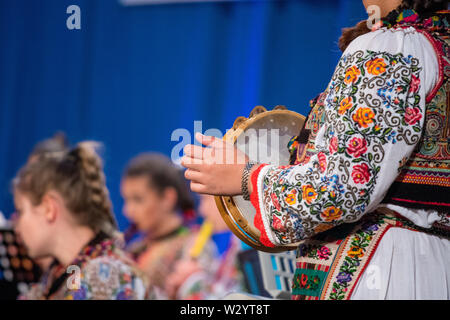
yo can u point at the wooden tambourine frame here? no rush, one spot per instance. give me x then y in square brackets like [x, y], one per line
[229, 211]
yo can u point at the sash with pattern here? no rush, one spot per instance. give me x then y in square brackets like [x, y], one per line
[329, 265]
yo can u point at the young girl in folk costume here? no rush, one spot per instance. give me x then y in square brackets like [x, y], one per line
[155, 198]
[209, 269]
[64, 212]
[366, 194]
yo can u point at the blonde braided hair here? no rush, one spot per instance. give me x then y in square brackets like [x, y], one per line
[77, 175]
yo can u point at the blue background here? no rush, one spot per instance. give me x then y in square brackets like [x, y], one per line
[132, 75]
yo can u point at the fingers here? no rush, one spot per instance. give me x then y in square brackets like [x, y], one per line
[198, 187]
[192, 163]
[206, 140]
[193, 175]
[192, 151]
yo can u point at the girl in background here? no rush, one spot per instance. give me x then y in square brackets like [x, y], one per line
[210, 267]
[64, 212]
[155, 198]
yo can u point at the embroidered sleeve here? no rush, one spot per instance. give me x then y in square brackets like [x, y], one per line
[105, 278]
[373, 114]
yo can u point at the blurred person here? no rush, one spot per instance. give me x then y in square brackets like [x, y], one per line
[155, 197]
[64, 212]
[209, 269]
[57, 143]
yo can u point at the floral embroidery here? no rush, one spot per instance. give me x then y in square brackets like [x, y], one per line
[345, 104]
[360, 173]
[357, 147]
[322, 161]
[363, 117]
[359, 242]
[303, 281]
[412, 115]
[376, 66]
[331, 213]
[371, 101]
[106, 272]
[278, 225]
[415, 82]
[309, 194]
[291, 197]
[352, 74]
[318, 252]
[333, 145]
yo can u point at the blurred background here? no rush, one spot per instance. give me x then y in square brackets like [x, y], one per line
[135, 73]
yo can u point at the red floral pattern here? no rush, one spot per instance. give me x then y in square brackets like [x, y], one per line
[357, 147]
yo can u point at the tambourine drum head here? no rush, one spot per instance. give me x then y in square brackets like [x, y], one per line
[264, 138]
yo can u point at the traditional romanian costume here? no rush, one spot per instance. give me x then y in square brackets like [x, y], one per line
[367, 194]
[101, 271]
[157, 257]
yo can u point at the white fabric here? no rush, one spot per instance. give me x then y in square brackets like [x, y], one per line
[420, 217]
[407, 265]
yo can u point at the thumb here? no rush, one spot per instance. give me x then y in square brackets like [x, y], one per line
[205, 140]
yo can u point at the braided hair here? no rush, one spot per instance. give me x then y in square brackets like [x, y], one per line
[424, 8]
[77, 175]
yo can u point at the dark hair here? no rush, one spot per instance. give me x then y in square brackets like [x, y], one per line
[423, 7]
[161, 174]
[77, 175]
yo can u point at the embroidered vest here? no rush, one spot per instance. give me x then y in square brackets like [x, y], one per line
[424, 179]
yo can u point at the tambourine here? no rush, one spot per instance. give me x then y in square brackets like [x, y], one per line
[264, 137]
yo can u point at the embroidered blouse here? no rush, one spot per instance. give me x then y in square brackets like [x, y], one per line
[219, 272]
[157, 257]
[364, 127]
[101, 271]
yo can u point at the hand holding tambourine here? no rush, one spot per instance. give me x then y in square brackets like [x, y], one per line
[217, 169]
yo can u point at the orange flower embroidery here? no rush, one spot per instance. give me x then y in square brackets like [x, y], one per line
[355, 252]
[309, 194]
[351, 75]
[291, 199]
[331, 214]
[376, 66]
[363, 116]
[346, 104]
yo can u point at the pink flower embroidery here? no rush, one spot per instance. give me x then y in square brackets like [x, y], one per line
[357, 147]
[322, 161]
[275, 201]
[412, 115]
[277, 225]
[361, 173]
[323, 253]
[333, 145]
[414, 85]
